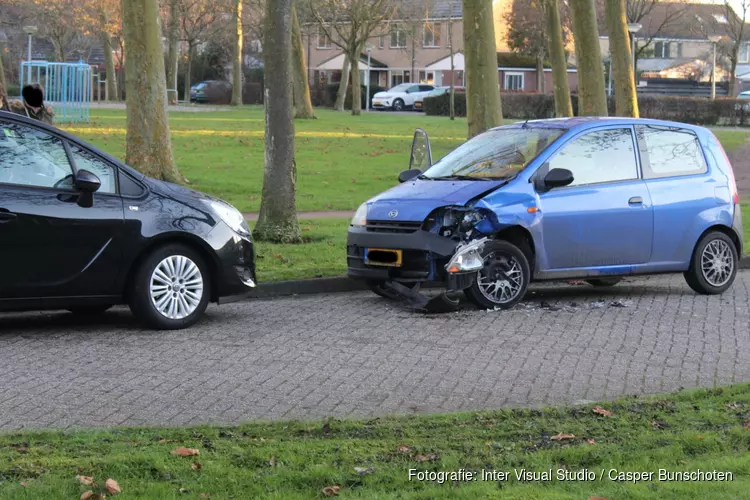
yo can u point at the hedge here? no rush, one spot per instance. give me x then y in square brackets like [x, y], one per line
[695, 110]
[325, 95]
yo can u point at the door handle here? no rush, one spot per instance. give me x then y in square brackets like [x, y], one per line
[635, 200]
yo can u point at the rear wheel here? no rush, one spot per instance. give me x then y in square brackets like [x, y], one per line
[503, 281]
[171, 288]
[714, 264]
[603, 282]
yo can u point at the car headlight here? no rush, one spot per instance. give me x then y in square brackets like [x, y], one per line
[360, 217]
[231, 216]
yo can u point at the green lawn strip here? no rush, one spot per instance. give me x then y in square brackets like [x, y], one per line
[687, 431]
[731, 139]
[323, 254]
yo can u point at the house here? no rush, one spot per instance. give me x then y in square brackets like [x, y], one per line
[674, 42]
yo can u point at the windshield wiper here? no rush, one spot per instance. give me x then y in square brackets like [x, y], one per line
[463, 178]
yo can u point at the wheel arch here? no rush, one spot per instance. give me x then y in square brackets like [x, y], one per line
[520, 237]
[193, 242]
[722, 229]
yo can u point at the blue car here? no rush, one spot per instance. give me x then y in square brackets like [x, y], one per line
[576, 198]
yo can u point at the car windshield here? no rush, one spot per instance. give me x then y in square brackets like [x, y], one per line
[497, 154]
[201, 86]
[400, 88]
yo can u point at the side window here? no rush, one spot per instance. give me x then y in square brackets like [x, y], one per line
[31, 157]
[601, 156]
[414, 88]
[425, 88]
[669, 152]
[86, 161]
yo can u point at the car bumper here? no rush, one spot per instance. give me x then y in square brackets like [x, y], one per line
[738, 229]
[235, 264]
[425, 255]
[381, 105]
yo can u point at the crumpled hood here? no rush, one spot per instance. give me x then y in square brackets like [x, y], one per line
[415, 200]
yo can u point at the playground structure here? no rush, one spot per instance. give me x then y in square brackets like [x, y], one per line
[67, 87]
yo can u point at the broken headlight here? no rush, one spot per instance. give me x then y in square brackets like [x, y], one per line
[454, 222]
[468, 258]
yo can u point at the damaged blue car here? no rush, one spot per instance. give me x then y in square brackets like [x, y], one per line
[576, 198]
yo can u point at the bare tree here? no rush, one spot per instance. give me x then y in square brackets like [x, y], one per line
[483, 106]
[555, 39]
[413, 15]
[302, 101]
[200, 20]
[626, 100]
[277, 220]
[737, 31]
[592, 100]
[110, 26]
[149, 146]
[349, 25]
[173, 45]
[237, 54]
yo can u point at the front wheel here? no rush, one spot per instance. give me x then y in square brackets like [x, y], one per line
[714, 264]
[171, 288]
[398, 105]
[503, 281]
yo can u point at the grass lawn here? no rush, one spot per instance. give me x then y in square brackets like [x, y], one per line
[706, 430]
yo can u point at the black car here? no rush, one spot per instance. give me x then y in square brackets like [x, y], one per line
[81, 231]
[211, 92]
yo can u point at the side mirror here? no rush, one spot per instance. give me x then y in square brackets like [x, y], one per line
[408, 175]
[421, 152]
[558, 177]
[87, 183]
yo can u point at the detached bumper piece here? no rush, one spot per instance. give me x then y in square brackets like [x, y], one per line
[441, 303]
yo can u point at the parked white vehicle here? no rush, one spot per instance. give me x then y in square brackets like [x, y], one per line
[401, 97]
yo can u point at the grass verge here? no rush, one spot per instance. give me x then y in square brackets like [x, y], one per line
[706, 430]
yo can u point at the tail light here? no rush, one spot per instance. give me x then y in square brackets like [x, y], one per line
[730, 172]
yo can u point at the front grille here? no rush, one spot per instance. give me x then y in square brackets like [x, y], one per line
[387, 226]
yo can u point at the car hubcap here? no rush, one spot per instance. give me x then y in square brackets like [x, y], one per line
[501, 279]
[176, 287]
[717, 263]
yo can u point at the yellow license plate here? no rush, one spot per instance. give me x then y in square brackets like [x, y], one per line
[418, 105]
[385, 257]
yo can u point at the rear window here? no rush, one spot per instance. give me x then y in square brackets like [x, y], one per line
[669, 152]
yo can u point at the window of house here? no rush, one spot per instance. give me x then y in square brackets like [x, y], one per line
[513, 81]
[431, 35]
[397, 78]
[744, 53]
[381, 41]
[669, 152]
[324, 42]
[398, 37]
[667, 50]
[600, 156]
[427, 77]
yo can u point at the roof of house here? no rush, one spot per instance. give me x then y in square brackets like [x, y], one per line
[444, 8]
[676, 20]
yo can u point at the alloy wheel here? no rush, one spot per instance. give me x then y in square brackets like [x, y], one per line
[717, 263]
[501, 279]
[176, 287]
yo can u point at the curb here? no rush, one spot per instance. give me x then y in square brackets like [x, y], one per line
[338, 284]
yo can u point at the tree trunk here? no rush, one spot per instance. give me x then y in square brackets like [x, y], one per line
[626, 100]
[277, 220]
[149, 147]
[3, 87]
[732, 90]
[452, 110]
[237, 56]
[341, 96]
[59, 51]
[592, 99]
[483, 106]
[563, 106]
[356, 85]
[540, 84]
[302, 102]
[188, 72]
[173, 40]
[413, 58]
[109, 60]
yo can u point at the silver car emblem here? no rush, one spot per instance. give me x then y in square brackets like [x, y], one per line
[393, 214]
[133, 208]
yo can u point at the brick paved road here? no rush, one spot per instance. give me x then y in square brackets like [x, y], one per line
[358, 355]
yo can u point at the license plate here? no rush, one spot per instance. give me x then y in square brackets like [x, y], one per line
[376, 102]
[385, 257]
[417, 104]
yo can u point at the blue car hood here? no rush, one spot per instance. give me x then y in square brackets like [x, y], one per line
[414, 200]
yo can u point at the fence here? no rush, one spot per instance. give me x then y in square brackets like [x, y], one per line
[67, 87]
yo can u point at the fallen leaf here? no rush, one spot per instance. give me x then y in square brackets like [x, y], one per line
[405, 449]
[196, 466]
[591, 441]
[184, 490]
[698, 437]
[112, 486]
[24, 484]
[747, 425]
[165, 441]
[272, 461]
[561, 436]
[85, 480]
[735, 406]
[601, 411]
[331, 491]
[430, 457]
[204, 495]
[326, 427]
[185, 452]
[363, 471]
[658, 425]
[87, 495]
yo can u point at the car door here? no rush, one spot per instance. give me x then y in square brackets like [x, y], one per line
[49, 245]
[411, 95]
[604, 218]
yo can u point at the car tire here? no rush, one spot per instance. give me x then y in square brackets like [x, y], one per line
[500, 256]
[603, 282]
[713, 266]
[398, 105]
[90, 310]
[175, 270]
